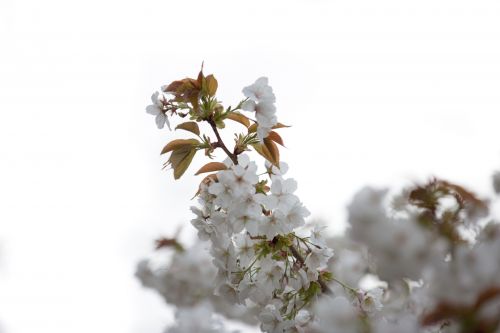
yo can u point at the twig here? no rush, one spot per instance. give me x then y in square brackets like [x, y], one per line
[221, 144]
[324, 288]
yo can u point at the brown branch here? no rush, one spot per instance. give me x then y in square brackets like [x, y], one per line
[324, 288]
[221, 144]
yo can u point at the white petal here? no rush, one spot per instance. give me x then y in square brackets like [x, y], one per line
[249, 106]
[262, 81]
[160, 120]
[153, 110]
[154, 97]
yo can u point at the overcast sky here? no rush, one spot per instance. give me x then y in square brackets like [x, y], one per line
[378, 92]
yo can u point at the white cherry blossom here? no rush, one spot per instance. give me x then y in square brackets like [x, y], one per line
[157, 109]
[272, 321]
[245, 248]
[396, 267]
[261, 101]
[260, 91]
[206, 321]
[318, 258]
[496, 182]
[270, 275]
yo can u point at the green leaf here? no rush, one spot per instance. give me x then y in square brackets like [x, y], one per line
[326, 275]
[313, 290]
[220, 124]
[262, 249]
[181, 159]
[189, 126]
[178, 155]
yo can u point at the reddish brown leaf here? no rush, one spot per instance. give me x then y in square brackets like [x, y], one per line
[240, 118]
[275, 137]
[190, 126]
[280, 125]
[273, 150]
[211, 167]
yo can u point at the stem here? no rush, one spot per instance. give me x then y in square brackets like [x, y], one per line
[251, 265]
[345, 286]
[221, 144]
[324, 288]
[256, 237]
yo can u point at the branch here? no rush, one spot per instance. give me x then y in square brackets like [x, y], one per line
[221, 144]
[324, 288]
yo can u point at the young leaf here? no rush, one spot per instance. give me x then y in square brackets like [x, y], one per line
[240, 118]
[276, 138]
[201, 77]
[273, 150]
[220, 124]
[252, 128]
[190, 126]
[185, 90]
[194, 83]
[280, 125]
[181, 159]
[178, 155]
[268, 150]
[211, 167]
[211, 85]
[182, 167]
[262, 150]
[178, 144]
[173, 87]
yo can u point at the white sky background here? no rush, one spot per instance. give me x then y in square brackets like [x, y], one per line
[378, 92]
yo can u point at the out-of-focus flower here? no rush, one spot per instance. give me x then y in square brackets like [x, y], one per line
[496, 182]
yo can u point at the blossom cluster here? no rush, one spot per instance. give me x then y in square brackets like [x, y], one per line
[251, 235]
[187, 280]
[424, 260]
[261, 101]
[205, 321]
[427, 281]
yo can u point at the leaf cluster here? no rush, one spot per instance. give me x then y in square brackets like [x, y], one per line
[198, 98]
